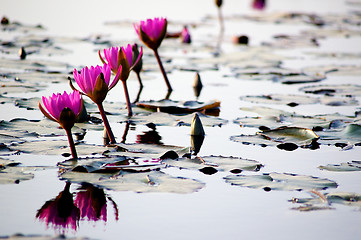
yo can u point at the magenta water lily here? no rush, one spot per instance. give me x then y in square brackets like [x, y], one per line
[64, 109]
[152, 32]
[124, 59]
[95, 83]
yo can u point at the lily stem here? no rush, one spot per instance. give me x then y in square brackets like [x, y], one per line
[106, 123]
[129, 105]
[162, 70]
[71, 144]
[139, 79]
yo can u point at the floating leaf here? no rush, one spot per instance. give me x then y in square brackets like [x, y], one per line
[166, 119]
[220, 163]
[315, 203]
[343, 167]
[280, 181]
[339, 90]
[10, 175]
[179, 107]
[57, 147]
[299, 136]
[44, 127]
[154, 181]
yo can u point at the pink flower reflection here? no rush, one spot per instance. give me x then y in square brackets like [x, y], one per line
[60, 213]
[92, 203]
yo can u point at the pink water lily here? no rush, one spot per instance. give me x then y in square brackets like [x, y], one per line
[95, 83]
[64, 109]
[152, 32]
[122, 58]
[55, 104]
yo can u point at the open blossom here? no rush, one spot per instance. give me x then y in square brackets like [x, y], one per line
[122, 57]
[62, 108]
[95, 81]
[152, 31]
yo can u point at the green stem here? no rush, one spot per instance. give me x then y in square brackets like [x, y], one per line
[162, 70]
[71, 143]
[129, 105]
[106, 123]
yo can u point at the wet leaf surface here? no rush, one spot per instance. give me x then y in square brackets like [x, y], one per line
[280, 181]
[328, 200]
[179, 107]
[153, 181]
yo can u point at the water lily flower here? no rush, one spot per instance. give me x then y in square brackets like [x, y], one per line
[64, 109]
[137, 65]
[197, 134]
[60, 212]
[185, 35]
[95, 83]
[122, 58]
[259, 4]
[152, 32]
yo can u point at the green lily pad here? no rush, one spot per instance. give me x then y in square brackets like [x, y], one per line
[166, 119]
[295, 100]
[280, 181]
[337, 90]
[140, 182]
[111, 164]
[11, 175]
[220, 163]
[178, 107]
[327, 200]
[343, 167]
[337, 70]
[44, 127]
[57, 147]
[299, 136]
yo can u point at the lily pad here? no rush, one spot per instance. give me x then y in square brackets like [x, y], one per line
[343, 167]
[280, 181]
[44, 127]
[299, 136]
[337, 90]
[166, 119]
[179, 107]
[154, 181]
[327, 200]
[220, 163]
[10, 175]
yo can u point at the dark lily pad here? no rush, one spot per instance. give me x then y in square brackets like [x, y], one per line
[280, 181]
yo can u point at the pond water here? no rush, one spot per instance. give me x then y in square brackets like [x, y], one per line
[250, 81]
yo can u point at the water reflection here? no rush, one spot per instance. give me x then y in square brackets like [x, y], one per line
[63, 212]
[60, 213]
[92, 203]
[151, 137]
